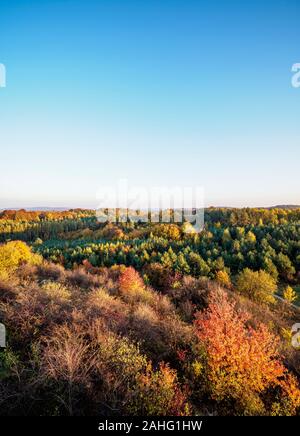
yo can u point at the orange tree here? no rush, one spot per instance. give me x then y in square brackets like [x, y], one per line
[242, 364]
[130, 280]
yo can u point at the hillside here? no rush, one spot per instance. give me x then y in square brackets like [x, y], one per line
[76, 346]
[146, 319]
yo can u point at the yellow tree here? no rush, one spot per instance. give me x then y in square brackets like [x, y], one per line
[289, 294]
[257, 285]
[222, 277]
[13, 254]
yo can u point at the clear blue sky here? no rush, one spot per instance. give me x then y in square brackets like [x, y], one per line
[162, 92]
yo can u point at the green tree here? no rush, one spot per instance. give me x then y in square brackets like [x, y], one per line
[270, 268]
[285, 266]
[198, 265]
[181, 265]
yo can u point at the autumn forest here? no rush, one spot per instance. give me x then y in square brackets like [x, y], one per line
[134, 318]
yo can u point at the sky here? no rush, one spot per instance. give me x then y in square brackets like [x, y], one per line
[160, 92]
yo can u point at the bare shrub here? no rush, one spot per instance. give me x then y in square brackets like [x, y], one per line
[160, 336]
[111, 310]
[51, 271]
[68, 359]
[56, 291]
[83, 279]
[31, 312]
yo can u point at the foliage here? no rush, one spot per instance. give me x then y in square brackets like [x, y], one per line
[100, 318]
[13, 254]
[289, 294]
[222, 277]
[257, 285]
[238, 238]
[242, 363]
[130, 280]
[159, 393]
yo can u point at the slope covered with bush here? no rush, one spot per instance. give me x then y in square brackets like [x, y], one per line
[102, 341]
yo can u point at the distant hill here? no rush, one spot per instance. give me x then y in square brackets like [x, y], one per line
[37, 209]
[62, 209]
[285, 206]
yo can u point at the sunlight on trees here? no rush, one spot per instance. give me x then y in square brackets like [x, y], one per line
[13, 254]
[257, 285]
[243, 363]
[289, 295]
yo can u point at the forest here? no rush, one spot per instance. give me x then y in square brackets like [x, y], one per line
[216, 310]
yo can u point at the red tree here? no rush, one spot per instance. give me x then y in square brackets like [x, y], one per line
[242, 362]
[130, 280]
